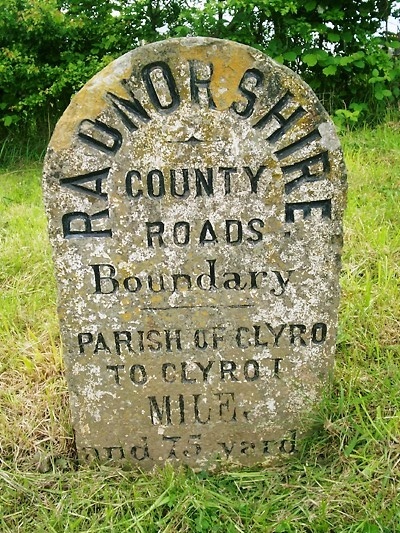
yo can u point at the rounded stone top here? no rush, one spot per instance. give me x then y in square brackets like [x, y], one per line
[242, 80]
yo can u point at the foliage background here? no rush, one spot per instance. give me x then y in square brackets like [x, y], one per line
[50, 48]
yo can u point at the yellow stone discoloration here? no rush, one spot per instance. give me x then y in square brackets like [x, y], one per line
[89, 102]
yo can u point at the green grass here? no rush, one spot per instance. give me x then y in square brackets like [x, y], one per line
[346, 476]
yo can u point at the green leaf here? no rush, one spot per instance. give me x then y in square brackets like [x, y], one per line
[333, 37]
[321, 54]
[309, 6]
[8, 120]
[330, 70]
[347, 36]
[355, 106]
[346, 60]
[310, 59]
[290, 56]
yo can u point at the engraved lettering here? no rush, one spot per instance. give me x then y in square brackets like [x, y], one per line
[211, 277]
[277, 336]
[141, 452]
[170, 337]
[100, 136]
[246, 446]
[282, 282]
[277, 360]
[251, 79]
[239, 340]
[296, 145]
[184, 377]
[101, 344]
[132, 284]
[228, 171]
[234, 232]
[166, 374]
[123, 337]
[75, 183]
[90, 454]
[174, 440]
[181, 233]
[296, 332]
[318, 333]
[200, 87]
[185, 184]
[228, 367]
[213, 199]
[153, 336]
[114, 453]
[116, 369]
[192, 442]
[312, 169]
[138, 375]
[83, 339]
[185, 278]
[227, 448]
[155, 184]
[155, 230]
[288, 445]
[216, 338]
[283, 115]
[130, 176]
[197, 417]
[157, 413]
[128, 110]
[205, 369]
[156, 286]
[254, 178]
[203, 183]
[207, 234]
[156, 74]
[306, 207]
[79, 225]
[257, 234]
[200, 339]
[251, 370]
[257, 341]
[227, 409]
[105, 284]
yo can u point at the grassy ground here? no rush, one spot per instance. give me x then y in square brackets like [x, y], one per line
[346, 476]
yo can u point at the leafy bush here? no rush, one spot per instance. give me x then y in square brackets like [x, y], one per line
[50, 48]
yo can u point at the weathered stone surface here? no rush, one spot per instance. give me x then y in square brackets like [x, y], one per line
[195, 192]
